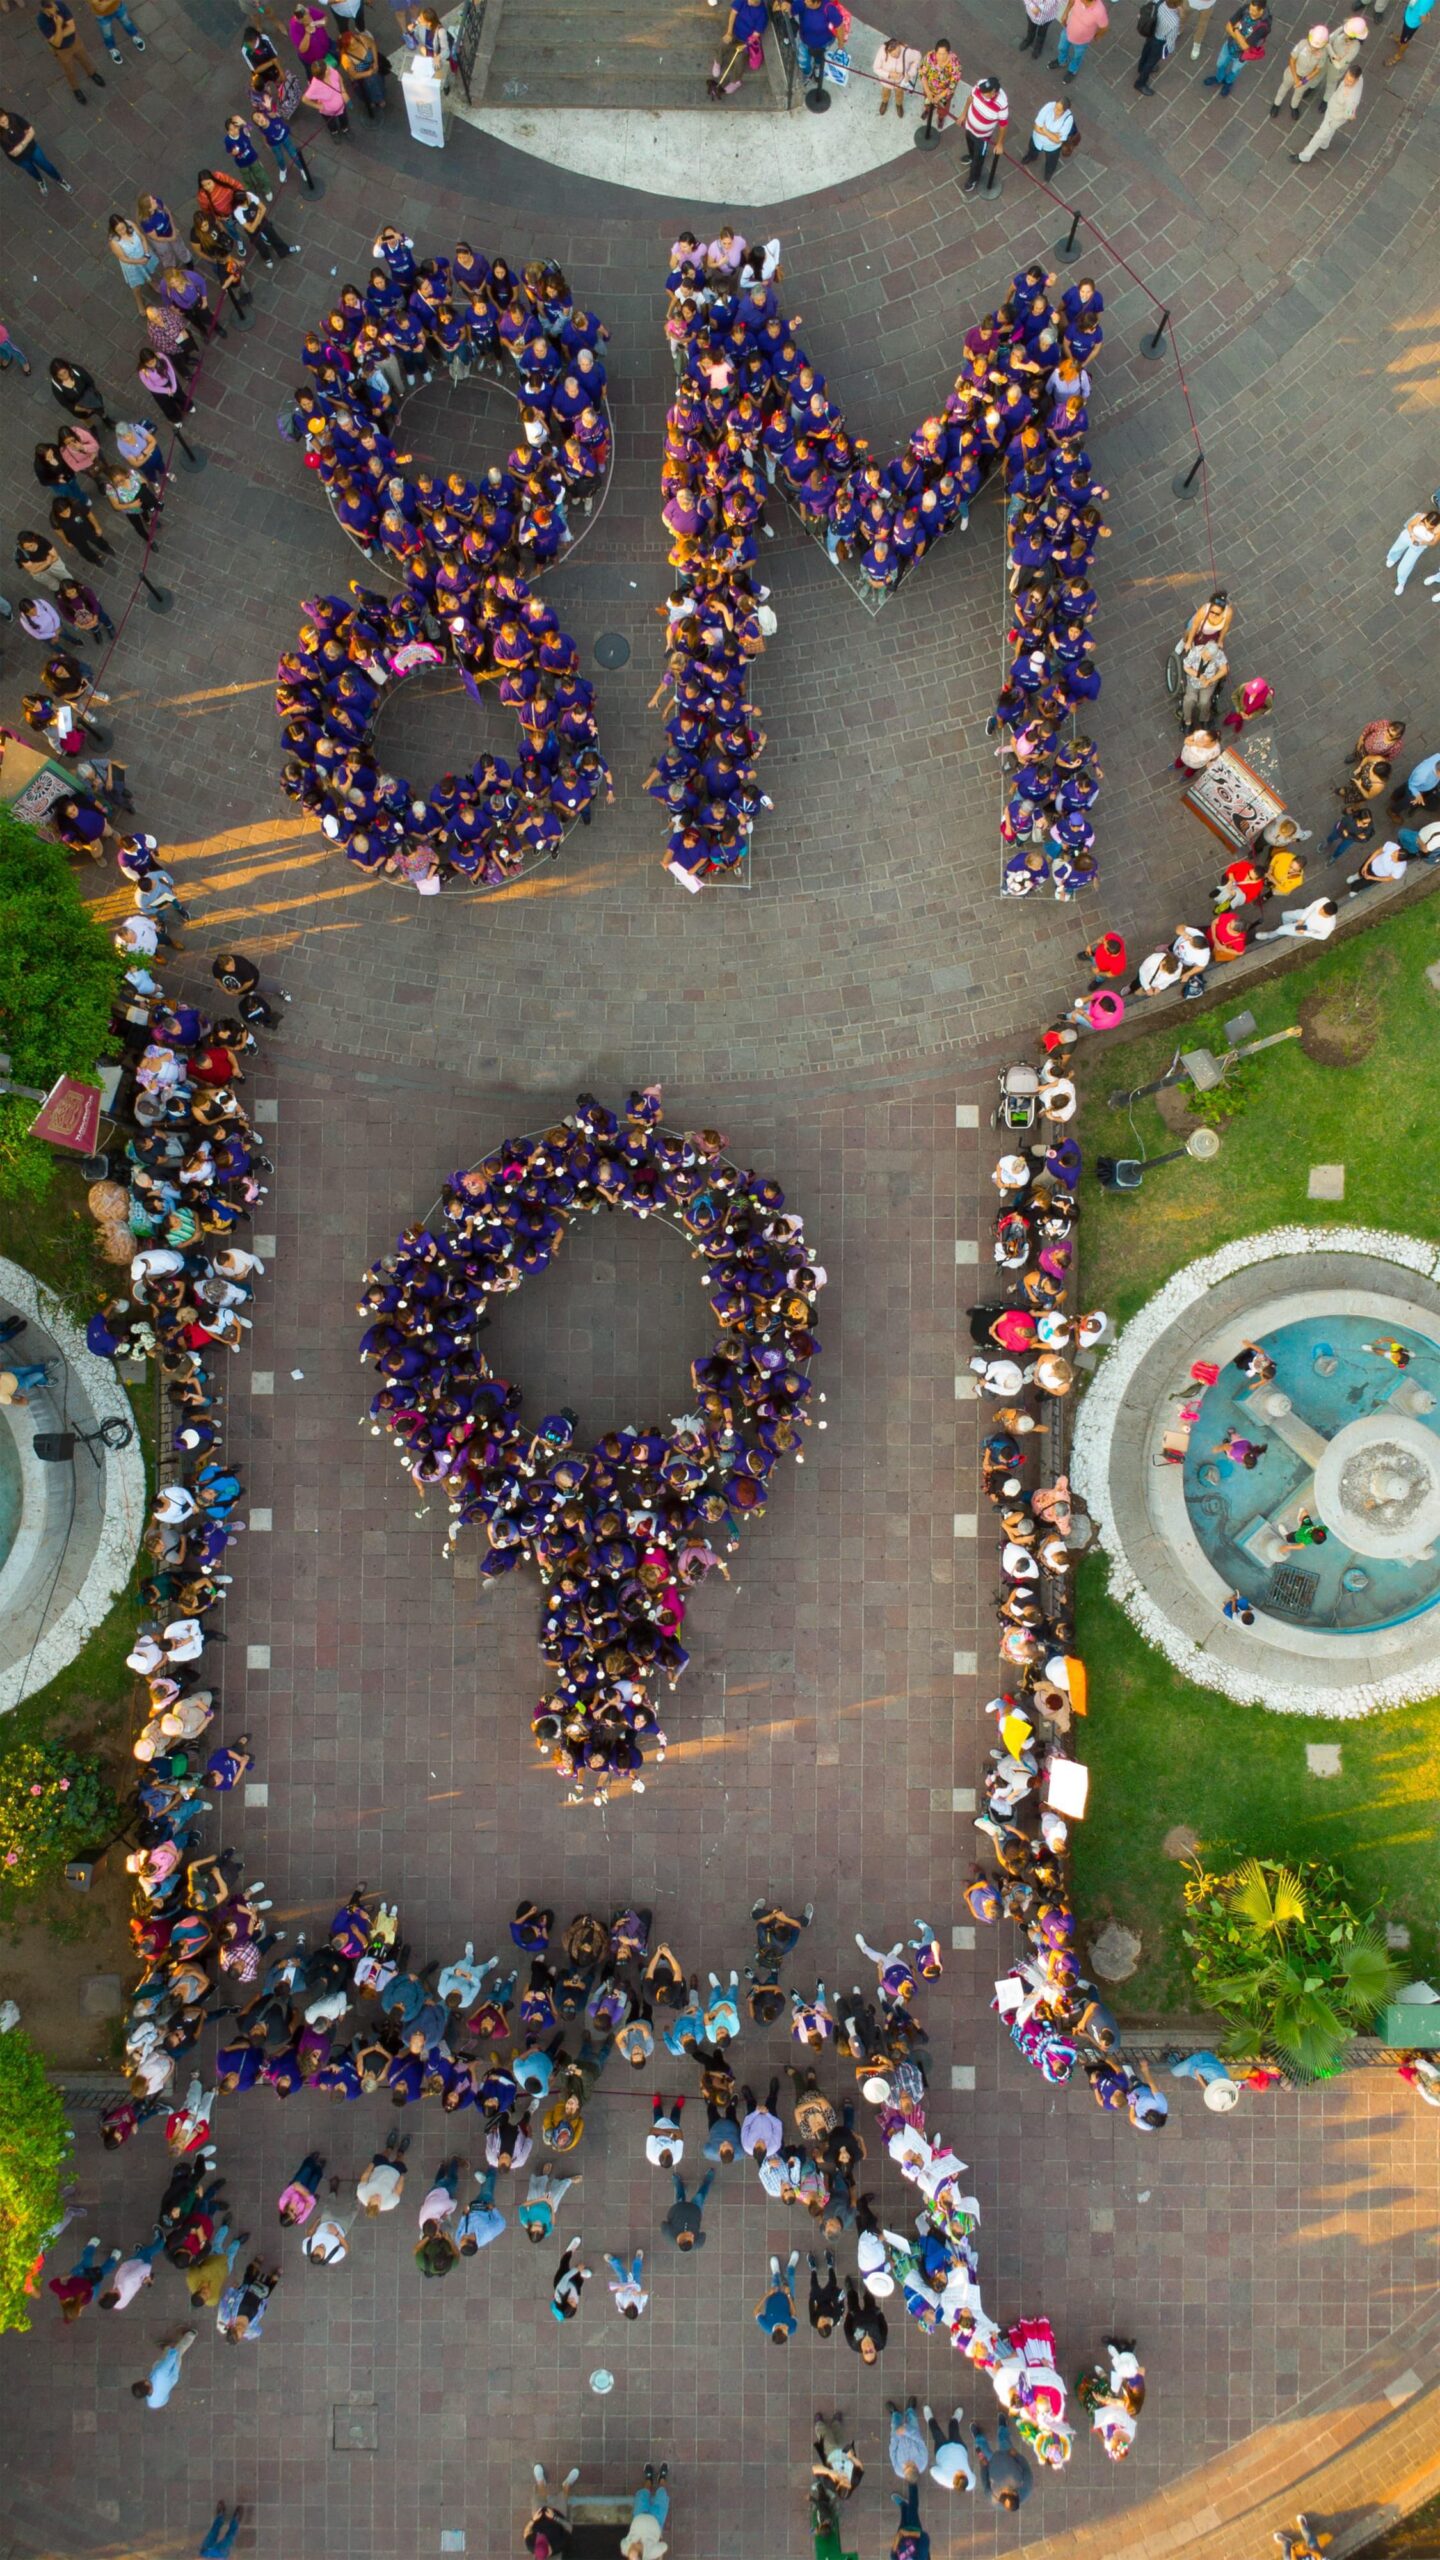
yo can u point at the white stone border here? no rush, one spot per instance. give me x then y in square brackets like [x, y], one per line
[122, 1504]
[1090, 1465]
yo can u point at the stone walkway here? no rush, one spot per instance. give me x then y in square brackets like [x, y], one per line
[839, 1019]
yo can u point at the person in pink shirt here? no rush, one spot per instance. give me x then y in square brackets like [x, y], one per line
[1080, 22]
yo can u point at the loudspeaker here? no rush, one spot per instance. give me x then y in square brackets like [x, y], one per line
[53, 1448]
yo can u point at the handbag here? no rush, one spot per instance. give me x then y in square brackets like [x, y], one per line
[1071, 144]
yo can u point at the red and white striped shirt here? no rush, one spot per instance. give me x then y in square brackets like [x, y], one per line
[985, 117]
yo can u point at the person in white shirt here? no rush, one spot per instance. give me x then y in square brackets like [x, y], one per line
[665, 2143]
[950, 2463]
[327, 2244]
[897, 67]
[130, 2277]
[1158, 971]
[1314, 923]
[625, 2283]
[1040, 17]
[1386, 863]
[379, 2188]
[1423, 531]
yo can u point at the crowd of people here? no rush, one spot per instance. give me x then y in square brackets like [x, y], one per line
[1026, 1346]
[465, 552]
[623, 1532]
[485, 825]
[752, 413]
[523, 2040]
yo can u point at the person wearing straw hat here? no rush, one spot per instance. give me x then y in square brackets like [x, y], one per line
[1303, 71]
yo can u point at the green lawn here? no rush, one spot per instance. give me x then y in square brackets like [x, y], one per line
[1282, 1113]
[1162, 1751]
[88, 1703]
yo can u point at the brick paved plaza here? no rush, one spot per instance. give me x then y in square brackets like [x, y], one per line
[840, 1018]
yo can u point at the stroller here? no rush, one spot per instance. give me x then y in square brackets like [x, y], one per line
[1019, 1091]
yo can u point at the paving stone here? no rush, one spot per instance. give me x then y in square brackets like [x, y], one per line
[1327, 1182]
[1322, 1759]
[807, 1016]
[102, 1995]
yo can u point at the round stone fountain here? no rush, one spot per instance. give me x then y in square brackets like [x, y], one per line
[1378, 1487]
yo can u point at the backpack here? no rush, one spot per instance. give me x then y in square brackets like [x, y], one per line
[1146, 22]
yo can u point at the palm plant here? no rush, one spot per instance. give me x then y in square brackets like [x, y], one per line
[1286, 1959]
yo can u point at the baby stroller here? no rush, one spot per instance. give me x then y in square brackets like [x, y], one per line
[1019, 1089]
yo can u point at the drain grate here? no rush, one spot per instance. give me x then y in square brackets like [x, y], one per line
[1292, 1591]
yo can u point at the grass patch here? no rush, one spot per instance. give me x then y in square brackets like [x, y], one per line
[88, 1703]
[1362, 1090]
[1163, 1752]
[1365, 1002]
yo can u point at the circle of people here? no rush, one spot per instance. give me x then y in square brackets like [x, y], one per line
[427, 2031]
[750, 413]
[460, 548]
[623, 1532]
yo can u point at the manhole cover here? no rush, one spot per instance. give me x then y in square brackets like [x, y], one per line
[1292, 1591]
[611, 649]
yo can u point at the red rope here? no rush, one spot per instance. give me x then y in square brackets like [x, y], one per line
[1151, 296]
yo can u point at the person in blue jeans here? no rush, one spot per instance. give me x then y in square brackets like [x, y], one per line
[17, 141]
[11, 352]
[24, 1377]
[776, 2314]
[817, 24]
[647, 2515]
[1007, 2476]
[1244, 32]
[219, 2542]
[111, 14]
[911, 2542]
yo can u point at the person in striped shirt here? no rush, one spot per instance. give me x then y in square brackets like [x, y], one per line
[986, 117]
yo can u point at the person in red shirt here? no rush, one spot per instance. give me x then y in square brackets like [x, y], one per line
[1107, 957]
[1227, 935]
[87, 2277]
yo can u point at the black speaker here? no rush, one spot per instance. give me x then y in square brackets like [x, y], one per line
[54, 1448]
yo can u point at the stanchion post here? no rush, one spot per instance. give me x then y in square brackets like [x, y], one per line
[159, 601]
[1154, 345]
[194, 459]
[1067, 248]
[1185, 484]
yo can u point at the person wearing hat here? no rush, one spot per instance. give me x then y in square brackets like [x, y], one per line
[1303, 71]
[1340, 53]
[1340, 110]
[987, 113]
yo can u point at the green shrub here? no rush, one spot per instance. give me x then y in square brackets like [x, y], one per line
[1287, 1959]
[34, 2141]
[53, 1806]
[58, 978]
